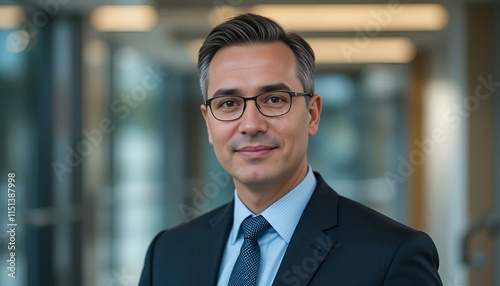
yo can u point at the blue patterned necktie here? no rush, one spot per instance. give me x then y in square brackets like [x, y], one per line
[246, 268]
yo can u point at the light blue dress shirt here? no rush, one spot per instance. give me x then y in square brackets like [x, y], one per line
[283, 216]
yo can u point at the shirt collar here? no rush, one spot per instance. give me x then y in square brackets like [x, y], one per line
[284, 214]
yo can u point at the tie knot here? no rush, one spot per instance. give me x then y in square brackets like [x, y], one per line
[253, 227]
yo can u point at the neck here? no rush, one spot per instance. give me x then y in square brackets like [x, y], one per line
[257, 198]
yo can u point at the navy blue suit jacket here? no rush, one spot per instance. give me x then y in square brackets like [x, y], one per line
[337, 242]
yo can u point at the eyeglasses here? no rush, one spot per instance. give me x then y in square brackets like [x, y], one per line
[270, 104]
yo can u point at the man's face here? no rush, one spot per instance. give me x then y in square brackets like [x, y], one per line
[257, 150]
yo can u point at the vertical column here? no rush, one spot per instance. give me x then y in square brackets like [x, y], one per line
[478, 107]
[415, 122]
[95, 176]
[68, 149]
[445, 129]
[496, 131]
[39, 244]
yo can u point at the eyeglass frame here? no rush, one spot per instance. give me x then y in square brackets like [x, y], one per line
[292, 94]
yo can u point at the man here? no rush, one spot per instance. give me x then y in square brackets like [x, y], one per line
[285, 225]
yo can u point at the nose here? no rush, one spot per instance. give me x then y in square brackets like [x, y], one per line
[252, 121]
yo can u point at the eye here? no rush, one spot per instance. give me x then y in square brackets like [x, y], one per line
[275, 98]
[227, 103]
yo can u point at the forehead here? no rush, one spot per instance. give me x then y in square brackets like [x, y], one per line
[248, 67]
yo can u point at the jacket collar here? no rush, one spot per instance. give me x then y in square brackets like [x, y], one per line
[212, 246]
[311, 243]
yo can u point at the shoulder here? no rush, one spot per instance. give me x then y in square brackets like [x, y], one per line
[379, 245]
[183, 232]
[366, 219]
[353, 216]
[173, 252]
[182, 238]
[406, 256]
[360, 224]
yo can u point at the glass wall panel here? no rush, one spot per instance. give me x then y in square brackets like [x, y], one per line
[362, 135]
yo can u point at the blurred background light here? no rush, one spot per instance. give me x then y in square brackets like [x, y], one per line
[383, 17]
[11, 17]
[18, 41]
[124, 18]
[350, 50]
[367, 50]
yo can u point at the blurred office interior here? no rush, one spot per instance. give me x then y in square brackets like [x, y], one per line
[100, 121]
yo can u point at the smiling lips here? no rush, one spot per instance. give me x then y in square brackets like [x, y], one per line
[255, 152]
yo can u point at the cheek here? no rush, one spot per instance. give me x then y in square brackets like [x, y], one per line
[219, 136]
[295, 137]
[301, 136]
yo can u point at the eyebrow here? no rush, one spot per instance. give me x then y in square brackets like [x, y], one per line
[273, 87]
[227, 91]
[261, 89]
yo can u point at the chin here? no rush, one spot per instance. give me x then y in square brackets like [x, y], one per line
[256, 176]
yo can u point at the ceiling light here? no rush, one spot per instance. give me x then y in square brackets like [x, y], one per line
[11, 17]
[349, 50]
[124, 18]
[368, 50]
[355, 17]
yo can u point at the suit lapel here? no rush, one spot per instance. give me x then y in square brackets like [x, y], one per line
[211, 247]
[310, 244]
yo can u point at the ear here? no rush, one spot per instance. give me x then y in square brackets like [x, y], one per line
[204, 112]
[314, 114]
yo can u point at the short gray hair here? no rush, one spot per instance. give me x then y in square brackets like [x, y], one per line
[253, 29]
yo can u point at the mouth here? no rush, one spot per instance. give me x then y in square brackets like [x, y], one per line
[254, 152]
